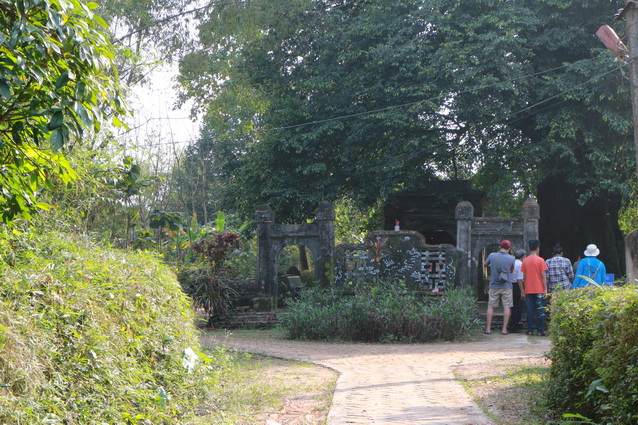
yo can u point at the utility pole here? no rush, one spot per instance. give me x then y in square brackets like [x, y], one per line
[630, 14]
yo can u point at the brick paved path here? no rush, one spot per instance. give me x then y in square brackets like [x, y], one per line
[397, 383]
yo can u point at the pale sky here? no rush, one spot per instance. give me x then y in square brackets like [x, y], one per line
[156, 122]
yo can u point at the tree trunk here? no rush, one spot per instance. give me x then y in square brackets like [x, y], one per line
[303, 258]
[574, 226]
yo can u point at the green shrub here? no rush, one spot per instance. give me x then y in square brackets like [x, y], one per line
[204, 284]
[308, 278]
[207, 291]
[382, 313]
[595, 354]
[90, 335]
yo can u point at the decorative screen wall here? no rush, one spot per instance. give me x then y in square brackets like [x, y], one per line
[401, 256]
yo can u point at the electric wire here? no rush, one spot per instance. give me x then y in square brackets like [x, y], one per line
[433, 148]
[503, 119]
[572, 88]
[469, 90]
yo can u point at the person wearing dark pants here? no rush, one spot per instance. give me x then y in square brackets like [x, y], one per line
[535, 282]
[518, 292]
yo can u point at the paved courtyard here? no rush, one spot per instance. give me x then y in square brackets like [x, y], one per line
[397, 383]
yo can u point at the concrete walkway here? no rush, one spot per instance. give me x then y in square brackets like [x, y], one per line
[397, 383]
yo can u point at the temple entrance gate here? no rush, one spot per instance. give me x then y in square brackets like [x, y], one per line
[475, 234]
[318, 236]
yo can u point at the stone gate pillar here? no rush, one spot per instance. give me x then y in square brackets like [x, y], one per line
[464, 215]
[531, 215]
[264, 218]
[325, 221]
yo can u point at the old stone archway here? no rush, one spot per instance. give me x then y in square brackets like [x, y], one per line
[318, 236]
[476, 233]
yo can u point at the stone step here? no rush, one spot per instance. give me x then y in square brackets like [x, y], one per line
[249, 320]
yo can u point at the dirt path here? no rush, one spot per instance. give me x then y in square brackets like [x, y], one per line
[397, 383]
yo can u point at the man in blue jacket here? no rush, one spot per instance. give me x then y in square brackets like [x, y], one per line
[590, 267]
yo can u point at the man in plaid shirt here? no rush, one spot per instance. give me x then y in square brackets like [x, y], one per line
[559, 270]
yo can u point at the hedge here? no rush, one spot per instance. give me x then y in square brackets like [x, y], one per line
[594, 369]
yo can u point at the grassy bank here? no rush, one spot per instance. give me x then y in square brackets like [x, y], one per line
[258, 388]
[510, 393]
[91, 335]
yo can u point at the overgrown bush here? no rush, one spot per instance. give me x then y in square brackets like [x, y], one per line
[208, 292]
[594, 368]
[383, 312]
[308, 278]
[205, 284]
[90, 335]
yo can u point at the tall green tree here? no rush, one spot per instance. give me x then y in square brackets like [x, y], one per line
[147, 33]
[57, 81]
[363, 98]
[199, 187]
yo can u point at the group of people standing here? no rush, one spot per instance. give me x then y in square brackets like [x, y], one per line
[528, 278]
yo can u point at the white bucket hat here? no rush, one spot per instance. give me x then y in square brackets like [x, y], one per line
[592, 251]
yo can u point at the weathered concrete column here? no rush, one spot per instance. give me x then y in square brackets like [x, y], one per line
[264, 218]
[464, 215]
[324, 270]
[531, 214]
[631, 256]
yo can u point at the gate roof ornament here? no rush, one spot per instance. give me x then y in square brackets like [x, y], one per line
[464, 210]
[531, 210]
[264, 214]
[325, 212]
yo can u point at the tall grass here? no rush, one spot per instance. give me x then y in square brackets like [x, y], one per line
[89, 335]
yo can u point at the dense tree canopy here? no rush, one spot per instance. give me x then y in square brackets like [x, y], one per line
[56, 80]
[363, 98]
[366, 97]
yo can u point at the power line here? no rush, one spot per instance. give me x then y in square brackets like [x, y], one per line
[171, 143]
[398, 159]
[432, 148]
[506, 117]
[470, 90]
[153, 119]
[573, 88]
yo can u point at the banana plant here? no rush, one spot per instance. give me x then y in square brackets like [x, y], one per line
[220, 221]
